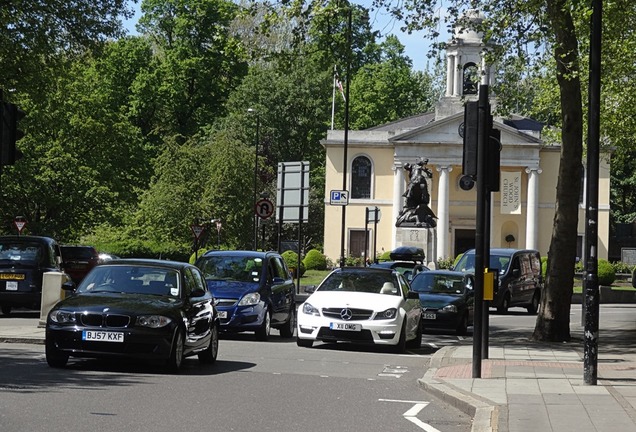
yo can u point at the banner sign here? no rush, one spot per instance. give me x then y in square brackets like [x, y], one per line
[510, 192]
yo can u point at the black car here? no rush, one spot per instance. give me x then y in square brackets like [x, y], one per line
[407, 260]
[23, 261]
[137, 308]
[447, 299]
[78, 261]
[254, 291]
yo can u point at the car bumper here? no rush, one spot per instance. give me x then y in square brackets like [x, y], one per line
[376, 332]
[139, 343]
[241, 318]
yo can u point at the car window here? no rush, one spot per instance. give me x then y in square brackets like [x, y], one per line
[277, 268]
[27, 252]
[231, 268]
[131, 279]
[438, 283]
[370, 282]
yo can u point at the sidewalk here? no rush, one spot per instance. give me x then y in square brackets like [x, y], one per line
[530, 387]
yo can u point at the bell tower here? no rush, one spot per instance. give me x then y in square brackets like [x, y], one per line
[465, 66]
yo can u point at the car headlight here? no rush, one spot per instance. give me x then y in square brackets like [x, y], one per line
[153, 321]
[387, 314]
[250, 299]
[450, 308]
[63, 317]
[310, 309]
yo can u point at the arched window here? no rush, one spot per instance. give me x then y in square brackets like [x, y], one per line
[361, 177]
[471, 78]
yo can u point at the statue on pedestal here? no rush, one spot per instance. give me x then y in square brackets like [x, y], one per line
[416, 212]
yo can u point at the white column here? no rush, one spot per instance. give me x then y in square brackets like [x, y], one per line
[532, 208]
[442, 212]
[458, 73]
[450, 66]
[398, 190]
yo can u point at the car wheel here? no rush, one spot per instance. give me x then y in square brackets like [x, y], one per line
[176, 354]
[462, 326]
[417, 342]
[6, 309]
[305, 343]
[505, 304]
[401, 345]
[534, 305]
[262, 334]
[209, 355]
[54, 357]
[287, 330]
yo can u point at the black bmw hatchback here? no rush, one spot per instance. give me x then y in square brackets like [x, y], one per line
[136, 308]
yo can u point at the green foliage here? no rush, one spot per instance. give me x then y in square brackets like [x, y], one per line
[606, 273]
[544, 266]
[385, 256]
[445, 263]
[291, 258]
[621, 267]
[315, 260]
[353, 261]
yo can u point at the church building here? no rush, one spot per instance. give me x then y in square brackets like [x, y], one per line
[521, 212]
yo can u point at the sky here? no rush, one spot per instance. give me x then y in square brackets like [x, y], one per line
[415, 44]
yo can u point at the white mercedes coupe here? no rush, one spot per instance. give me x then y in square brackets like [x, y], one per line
[362, 305]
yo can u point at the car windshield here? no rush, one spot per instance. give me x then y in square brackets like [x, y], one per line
[438, 283]
[467, 263]
[232, 268]
[370, 282]
[78, 252]
[24, 252]
[131, 279]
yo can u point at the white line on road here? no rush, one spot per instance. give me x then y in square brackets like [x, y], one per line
[411, 414]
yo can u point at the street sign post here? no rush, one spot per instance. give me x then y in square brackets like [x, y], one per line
[19, 222]
[264, 208]
[339, 197]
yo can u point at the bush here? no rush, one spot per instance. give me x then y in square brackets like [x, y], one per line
[385, 256]
[544, 266]
[315, 260]
[291, 258]
[606, 273]
[621, 267]
[445, 263]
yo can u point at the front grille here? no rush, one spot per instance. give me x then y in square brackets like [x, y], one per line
[357, 314]
[105, 320]
[326, 334]
[225, 302]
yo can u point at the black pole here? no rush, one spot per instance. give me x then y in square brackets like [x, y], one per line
[590, 349]
[346, 143]
[486, 303]
[366, 235]
[375, 236]
[482, 139]
[257, 139]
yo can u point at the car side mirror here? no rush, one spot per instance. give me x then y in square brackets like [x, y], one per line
[310, 289]
[516, 273]
[69, 286]
[412, 295]
[277, 280]
[198, 292]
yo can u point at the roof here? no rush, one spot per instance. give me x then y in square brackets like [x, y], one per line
[411, 122]
[176, 265]
[26, 238]
[239, 253]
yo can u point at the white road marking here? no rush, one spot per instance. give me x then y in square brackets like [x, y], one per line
[411, 414]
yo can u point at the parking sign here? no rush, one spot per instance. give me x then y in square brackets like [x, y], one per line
[339, 197]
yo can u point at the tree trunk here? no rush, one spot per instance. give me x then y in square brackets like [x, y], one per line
[553, 321]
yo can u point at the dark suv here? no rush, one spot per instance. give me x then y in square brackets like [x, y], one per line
[23, 261]
[253, 291]
[78, 261]
[519, 274]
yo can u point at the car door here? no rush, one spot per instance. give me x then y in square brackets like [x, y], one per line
[282, 289]
[412, 307]
[198, 309]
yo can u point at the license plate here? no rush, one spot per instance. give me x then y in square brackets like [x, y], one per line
[12, 276]
[345, 326]
[429, 315]
[223, 314]
[12, 286]
[102, 336]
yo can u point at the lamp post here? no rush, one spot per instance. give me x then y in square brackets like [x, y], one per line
[256, 143]
[218, 232]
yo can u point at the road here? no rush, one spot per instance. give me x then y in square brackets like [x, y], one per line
[254, 386]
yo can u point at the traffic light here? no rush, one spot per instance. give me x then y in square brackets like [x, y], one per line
[493, 162]
[11, 115]
[470, 134]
